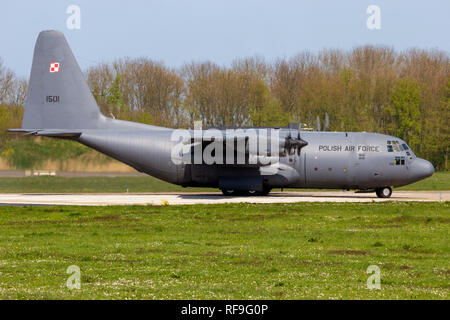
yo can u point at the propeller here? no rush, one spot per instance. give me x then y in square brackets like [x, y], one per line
[294, 143]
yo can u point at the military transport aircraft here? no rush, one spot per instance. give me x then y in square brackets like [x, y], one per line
[239, 161]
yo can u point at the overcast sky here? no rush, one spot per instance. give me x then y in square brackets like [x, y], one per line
[218, 30]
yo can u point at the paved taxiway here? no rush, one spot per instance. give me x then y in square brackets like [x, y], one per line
[211, 198]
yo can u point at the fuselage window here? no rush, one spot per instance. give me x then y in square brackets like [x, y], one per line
[399, 161]
[389, 148]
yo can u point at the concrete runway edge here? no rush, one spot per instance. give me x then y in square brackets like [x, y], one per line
[99, 199]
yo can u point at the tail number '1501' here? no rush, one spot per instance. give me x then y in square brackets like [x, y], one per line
[52, 99]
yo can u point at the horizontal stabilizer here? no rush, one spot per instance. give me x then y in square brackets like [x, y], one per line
[49, 132]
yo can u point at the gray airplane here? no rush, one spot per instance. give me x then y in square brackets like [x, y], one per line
[247, 161]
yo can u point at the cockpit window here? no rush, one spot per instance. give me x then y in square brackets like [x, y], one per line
[396, 146]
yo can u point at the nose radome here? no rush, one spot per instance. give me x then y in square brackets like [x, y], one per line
[421, 168]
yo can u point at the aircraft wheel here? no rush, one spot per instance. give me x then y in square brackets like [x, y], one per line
[385, 192]
[265, 191]
[228, 192]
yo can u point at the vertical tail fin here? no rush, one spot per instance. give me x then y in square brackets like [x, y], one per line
[58, 95]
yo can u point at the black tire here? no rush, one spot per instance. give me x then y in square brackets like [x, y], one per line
[228, 193]
[265, 191]
[385, 192]
[235, 193]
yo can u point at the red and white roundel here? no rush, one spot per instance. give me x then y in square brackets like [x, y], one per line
[54, 66]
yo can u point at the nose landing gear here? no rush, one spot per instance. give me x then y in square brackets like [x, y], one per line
[385, 192]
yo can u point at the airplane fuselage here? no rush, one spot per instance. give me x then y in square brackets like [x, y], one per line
[332, 160]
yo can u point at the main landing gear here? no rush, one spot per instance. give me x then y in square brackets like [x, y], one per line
[242, 193]
[385, 192]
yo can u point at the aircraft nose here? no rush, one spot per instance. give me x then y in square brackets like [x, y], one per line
[421, 169]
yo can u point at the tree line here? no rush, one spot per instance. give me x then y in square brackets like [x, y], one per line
[368, 88]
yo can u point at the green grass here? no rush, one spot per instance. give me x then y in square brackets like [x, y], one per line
[232, 251]
[439, 181]
[45, 184]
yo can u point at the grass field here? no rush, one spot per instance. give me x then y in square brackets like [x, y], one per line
[439, 181]
[234, 251]
[45, 184]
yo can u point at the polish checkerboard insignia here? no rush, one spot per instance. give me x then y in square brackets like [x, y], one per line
[54, 66]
